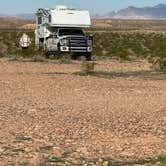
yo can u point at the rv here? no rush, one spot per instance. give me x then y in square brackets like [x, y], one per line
[60, 30]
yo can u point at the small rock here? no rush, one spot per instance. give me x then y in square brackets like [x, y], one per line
[2, 150]
[32, 112]
[57, 151]
[105, 163]
[158, 163]
[127, 154]
[100, 160]
[83, 150]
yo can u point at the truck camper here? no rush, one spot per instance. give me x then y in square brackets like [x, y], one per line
[60, 30]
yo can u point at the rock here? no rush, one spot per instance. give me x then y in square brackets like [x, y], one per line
[57, 151]
[127, 154]
[2, 150]
[83, 150]
[32, 112]
[105, 163]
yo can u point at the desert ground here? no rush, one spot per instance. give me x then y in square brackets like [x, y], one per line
[120, 24]
[50, 114]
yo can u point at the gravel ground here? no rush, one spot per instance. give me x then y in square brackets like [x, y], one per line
[46, 111]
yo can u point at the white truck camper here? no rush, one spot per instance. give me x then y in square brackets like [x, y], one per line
[60, 30]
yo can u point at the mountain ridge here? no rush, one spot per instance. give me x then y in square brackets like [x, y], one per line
[131, 12]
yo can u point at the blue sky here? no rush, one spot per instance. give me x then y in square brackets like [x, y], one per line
[95, 6]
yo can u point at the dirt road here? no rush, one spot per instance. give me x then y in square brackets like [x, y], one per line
[47, 111]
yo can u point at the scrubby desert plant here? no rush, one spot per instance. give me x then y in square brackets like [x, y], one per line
[10, 42]
[65, 59]
[162, 63]
[3, 50]
[158, 63]
[126, 44]
[121, 44]
[88, 66]
[38, 58]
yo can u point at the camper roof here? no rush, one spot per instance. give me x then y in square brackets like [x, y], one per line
[62, 16]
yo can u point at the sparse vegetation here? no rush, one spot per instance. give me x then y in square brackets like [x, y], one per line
[124, 45]
[161, 160]
[23, 137]
[10, 43]
[56, 160]
[158, 75]
[128, 46]
[88, 67]
[38, 58]
[65, 59]
[158, 63]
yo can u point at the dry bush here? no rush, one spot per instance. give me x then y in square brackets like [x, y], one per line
[158, 63]
[88, 67]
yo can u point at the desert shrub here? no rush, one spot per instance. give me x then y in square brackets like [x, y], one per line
[38, 58]
[3, 50]
[125, 45]
[120, 44]
[88, 66]
[162, 63]
[65, 59]
[158, 63]
[10, 41]
[15, 57]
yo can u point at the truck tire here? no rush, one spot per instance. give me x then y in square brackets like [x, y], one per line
[73, 56]
[88, 57]
[47, 56]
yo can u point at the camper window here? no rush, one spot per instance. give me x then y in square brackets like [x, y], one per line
[39, 20]
[50, 18]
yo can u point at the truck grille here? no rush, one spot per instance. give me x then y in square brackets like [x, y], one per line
[77, 42]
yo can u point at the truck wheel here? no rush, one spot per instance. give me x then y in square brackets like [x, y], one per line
[47, 55]
[73, 56]
[88, 57]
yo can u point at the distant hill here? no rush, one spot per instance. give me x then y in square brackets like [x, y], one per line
[26, 16]
[15, 23]
[156, 12]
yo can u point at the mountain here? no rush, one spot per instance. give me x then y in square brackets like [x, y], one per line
[156, 12]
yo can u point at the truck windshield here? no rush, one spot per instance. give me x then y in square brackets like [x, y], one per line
[68, 32]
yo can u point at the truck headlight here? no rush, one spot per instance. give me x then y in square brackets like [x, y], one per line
[64, 42]
[89, 43]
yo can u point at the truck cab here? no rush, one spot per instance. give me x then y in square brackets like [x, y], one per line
[60, 30]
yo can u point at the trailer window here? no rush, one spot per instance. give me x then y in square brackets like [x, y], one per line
[39, 20]
[68, 32]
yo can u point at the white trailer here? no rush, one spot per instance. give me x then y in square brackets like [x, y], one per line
[60, 30]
